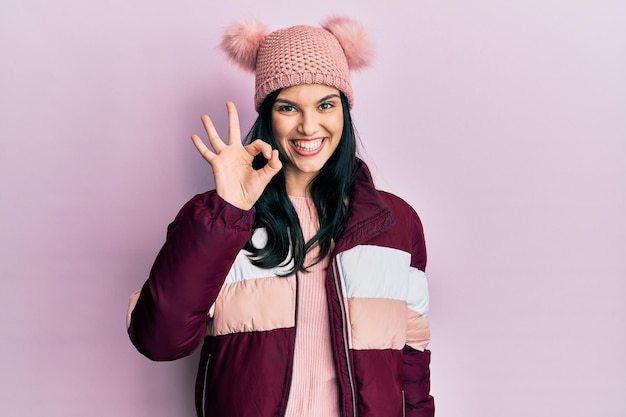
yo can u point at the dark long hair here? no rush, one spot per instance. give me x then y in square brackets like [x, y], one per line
[329, 189]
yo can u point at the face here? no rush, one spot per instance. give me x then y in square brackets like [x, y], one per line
[307, 121]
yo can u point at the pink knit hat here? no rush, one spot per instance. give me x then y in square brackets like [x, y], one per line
[299, 54]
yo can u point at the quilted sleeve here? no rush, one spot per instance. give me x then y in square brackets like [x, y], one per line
[168, 317]
[416, 358]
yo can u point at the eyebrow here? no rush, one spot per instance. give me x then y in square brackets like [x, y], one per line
[291, 103]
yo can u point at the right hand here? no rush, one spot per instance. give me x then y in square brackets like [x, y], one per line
[235, 180]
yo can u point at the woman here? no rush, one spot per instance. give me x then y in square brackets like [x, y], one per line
[304, 283]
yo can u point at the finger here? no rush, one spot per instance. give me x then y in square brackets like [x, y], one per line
[259, 146]
[201, 147]
[234, 132]
[214, 138]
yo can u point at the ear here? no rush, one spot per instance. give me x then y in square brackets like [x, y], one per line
[353, 39]
[241, 42]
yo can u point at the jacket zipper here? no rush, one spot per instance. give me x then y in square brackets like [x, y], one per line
[206, 372]
[403, 405]
[344, 336]
[293, 358]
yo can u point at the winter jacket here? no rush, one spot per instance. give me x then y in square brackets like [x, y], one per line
[203, 288]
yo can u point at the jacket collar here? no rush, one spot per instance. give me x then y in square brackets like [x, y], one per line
[369, 215]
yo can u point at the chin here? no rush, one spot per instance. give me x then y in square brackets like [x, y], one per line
[310, 168]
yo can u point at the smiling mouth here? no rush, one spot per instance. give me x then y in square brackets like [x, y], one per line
[308, 145]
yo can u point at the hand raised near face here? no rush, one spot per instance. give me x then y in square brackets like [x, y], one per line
[235, 179]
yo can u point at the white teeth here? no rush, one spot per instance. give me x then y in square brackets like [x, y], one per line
[308, 145]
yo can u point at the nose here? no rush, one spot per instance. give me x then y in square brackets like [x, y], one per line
[309, 123]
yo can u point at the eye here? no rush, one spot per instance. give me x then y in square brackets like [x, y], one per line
[327, 105]
[286, 108]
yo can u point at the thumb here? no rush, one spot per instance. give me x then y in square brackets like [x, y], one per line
[273, 165]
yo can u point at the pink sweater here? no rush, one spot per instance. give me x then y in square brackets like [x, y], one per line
[314, 391]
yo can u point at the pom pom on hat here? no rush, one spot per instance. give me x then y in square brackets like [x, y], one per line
[241, 42]
[353, 39]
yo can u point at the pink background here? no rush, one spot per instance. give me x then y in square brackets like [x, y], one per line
[503, 123]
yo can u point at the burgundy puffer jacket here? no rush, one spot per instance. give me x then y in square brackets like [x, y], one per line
[202, 288]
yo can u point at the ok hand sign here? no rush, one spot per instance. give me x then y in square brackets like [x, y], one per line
[235, 179]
